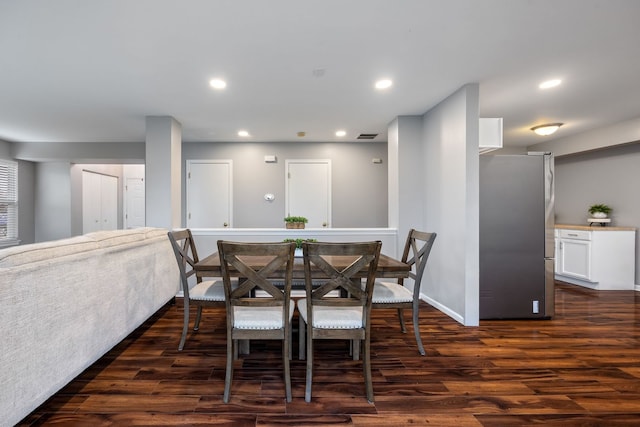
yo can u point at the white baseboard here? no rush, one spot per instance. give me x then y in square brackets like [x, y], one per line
[446, 310]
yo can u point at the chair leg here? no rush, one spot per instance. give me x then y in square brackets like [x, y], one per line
[416, 328]
[185, 325]
[401, 317]
[355, 349]
[307, 392]
[196, 326]
[366, 365]
[286, 355]
[302, 344]
[229, 373]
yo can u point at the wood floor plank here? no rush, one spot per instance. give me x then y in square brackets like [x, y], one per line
[580, 368]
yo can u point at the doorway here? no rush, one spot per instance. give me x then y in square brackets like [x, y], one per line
[209, 193]
[308, 191]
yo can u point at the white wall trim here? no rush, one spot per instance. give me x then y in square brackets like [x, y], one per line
[446, 310]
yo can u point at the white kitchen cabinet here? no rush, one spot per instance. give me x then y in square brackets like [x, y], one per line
[597, 258]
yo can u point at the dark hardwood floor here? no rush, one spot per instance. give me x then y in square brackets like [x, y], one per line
[580, 369]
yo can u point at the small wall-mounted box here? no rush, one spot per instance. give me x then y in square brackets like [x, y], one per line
[270, 159]
[376, 160]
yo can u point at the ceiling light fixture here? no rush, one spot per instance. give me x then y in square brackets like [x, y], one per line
[243, 133]
[546, 129]
[341, 133]
[549, 84]
[383, 84]
[217, 83]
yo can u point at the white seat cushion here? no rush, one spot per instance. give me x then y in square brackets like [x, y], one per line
[389, 292]
[208, 290]
[260, 317]
[325, 317]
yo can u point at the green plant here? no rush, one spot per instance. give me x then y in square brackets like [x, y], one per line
[296, 219]
[600, 208]
[299, 241]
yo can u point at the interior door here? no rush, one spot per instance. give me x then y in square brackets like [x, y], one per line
[209, 193]
[99, 202]
[91, 204]
[109, 202]
[308, 191]
[135, 203]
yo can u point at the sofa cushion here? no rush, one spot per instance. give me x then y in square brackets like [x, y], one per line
[25, 254]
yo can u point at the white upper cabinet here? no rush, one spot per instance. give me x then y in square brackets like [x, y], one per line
[490, 132]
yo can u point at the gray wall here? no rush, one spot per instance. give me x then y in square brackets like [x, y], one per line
[609, 176]
[359, 187]
[52, 201]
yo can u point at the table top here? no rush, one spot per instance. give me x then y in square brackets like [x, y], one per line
[388, 267]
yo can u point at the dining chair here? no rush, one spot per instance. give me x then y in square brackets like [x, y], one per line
[389, 294]
[205, 293]
[325, 314]
[252, 317]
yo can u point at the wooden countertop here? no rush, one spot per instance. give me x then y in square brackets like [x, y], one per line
[596, 227]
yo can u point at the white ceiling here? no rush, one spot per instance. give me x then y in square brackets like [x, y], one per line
[90, 71]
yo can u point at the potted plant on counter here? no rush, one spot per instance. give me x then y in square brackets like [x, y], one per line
[295, 221]
[599, 211]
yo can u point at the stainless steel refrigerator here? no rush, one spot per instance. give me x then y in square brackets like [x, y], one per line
[516, 236]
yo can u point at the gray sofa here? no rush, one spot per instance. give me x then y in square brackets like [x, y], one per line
[65, 303]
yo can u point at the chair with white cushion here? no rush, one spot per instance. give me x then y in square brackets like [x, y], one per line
[205, 293]
[253, 317]
[389, 294]
[346, 315]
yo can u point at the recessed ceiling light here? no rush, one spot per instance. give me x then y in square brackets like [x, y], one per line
[243, 133]
[217, 83]
[341, 133]
[549, 84]
[546, 129]
[383, 84]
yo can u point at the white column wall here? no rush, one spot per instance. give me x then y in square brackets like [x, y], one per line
[406, 175]
[163, 168]
[450, 135]
[439, 157]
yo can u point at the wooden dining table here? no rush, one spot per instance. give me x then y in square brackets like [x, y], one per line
[388, 267]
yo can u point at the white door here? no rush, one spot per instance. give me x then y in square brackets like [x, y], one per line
[134, 215]
[575, 258]
[91, 204]
[99, 202]
[308, 191]
[209, 193]
[109, 202]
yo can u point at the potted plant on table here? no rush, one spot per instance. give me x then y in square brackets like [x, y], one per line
[295, 221]
[599, 211]
[299, 242]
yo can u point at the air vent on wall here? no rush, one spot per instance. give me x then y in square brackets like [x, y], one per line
[367, 136]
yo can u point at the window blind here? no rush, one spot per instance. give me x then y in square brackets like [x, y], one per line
[8, 202]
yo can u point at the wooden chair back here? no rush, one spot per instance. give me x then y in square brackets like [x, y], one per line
[235, 260]
[186, 254]
[347, 281]
[416, 253]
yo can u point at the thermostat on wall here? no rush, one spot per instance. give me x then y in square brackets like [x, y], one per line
[270, 159]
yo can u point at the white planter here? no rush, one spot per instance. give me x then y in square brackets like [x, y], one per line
[599, 215]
